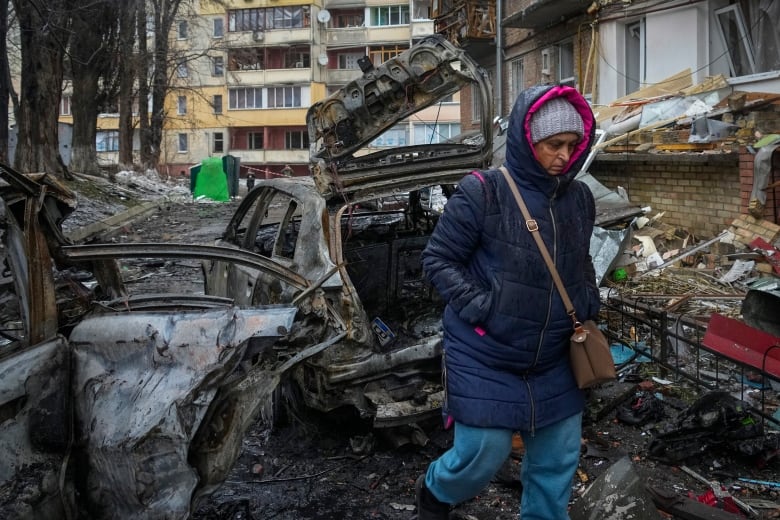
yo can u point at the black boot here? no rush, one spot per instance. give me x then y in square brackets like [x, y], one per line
[428, 507]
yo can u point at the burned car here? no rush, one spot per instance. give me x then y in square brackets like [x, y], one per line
[368, 333]
[355, 231]
[107, 399]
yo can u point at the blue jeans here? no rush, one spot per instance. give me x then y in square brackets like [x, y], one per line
[551, 458]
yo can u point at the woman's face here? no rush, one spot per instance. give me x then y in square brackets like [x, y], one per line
[554, 152]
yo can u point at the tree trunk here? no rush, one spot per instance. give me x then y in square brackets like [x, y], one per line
[44, 30]
[5, 82]
[147, 161]
[164, 16]
[126, 82]
[93, 66]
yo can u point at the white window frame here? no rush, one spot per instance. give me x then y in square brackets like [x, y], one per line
[570, 78]
[284, 97]
[181, 105]
[434, 133]
[217, 103]
[245, 98]
[107, 141]
[393, 137]
[634, 68]
[388, 15]
[744, 39]
[65, 105]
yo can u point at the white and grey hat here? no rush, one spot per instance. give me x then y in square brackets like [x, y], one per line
[555, 117]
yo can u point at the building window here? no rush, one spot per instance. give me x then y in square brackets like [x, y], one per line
[349, 60]
[422, 9]
[65, 105]
[379, 55]
[390, 15]
[219, 142]
[107, 141]
[296, 140]
[182, 30]
[181, 105]
[182, 70]
[297, 58]
[432, 133]
[284, 97]
[259, 19]
[476, 106]
[217, 66]
[345, 19]
[183, 143]
[245, 97]
[634, 68]
[246, 59]
[566, 64]
[254, 140]
[219, 27]
[216, 102]
[517, 78]
[396, 136]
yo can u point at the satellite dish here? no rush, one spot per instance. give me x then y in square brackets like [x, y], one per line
[323, 16]
[322, 59]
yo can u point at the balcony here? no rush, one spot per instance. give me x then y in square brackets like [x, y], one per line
[346, 36]
[269, 77]
[271, 156]
[471, 24]
[399, 33]
[342, 76]
[545, 13]
[270, 38]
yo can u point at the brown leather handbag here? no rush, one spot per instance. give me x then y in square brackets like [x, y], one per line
[591, 357]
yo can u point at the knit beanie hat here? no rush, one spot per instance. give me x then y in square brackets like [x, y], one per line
[555, 117]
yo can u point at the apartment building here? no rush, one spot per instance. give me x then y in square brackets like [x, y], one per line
[249, 70]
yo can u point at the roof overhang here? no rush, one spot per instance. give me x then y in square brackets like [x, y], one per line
[544, 13]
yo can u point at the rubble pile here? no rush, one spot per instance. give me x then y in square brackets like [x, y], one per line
[676, 116]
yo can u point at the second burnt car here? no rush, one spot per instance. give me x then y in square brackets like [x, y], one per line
[367, 334]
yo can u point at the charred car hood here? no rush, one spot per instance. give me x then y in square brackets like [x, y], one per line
[345, 122]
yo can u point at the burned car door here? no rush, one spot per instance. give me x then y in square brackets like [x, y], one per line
[102, 393]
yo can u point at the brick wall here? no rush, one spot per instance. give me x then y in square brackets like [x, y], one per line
[699, 193]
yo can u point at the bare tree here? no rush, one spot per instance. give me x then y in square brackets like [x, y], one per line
[93, 61]
[44, 32]
[127, 75]
[164, 14]
[5, 82]
[143, 87]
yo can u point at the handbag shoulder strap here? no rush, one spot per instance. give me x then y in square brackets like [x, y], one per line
[533, 227]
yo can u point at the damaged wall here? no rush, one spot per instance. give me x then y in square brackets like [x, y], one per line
[702, 193]
[697, 192]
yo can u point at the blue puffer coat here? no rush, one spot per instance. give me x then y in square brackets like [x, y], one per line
[506, 331]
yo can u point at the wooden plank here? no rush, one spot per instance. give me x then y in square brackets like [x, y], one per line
[669, 86]
[685, 147]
